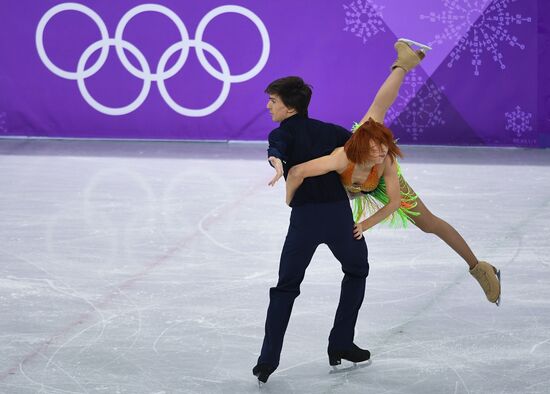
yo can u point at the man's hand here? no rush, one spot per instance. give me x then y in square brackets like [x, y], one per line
[278, 165]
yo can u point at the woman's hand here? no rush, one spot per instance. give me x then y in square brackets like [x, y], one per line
[358, 230]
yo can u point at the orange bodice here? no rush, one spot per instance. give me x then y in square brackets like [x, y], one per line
[369, 185]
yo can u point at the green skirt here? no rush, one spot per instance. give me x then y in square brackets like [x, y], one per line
[374, 200]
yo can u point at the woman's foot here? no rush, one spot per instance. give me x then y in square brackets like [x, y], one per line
[489, 280]
[407, 58]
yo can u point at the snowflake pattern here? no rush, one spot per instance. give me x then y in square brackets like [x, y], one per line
[364, 19]
[418, 106]
[489, 27]
[518, 121]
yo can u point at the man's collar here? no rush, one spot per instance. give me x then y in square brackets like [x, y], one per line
[293, 118]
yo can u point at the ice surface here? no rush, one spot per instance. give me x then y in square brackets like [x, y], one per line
[134, 267]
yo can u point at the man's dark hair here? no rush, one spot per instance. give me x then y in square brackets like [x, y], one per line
[293, 91]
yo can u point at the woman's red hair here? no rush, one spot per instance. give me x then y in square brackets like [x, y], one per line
[358, 147]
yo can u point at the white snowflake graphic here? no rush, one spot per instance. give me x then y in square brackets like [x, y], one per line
[489, 27]
[364, 19]
[518, 121]
[418, 106]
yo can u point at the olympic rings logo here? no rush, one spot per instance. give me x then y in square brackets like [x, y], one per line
[145, 74]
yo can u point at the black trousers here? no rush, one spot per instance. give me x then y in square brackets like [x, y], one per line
[310, 226]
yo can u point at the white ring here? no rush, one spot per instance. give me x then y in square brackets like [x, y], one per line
[174, 18]
[225, 88]
[40, 40]
[259, 25]
[93, 102]
[145, 73]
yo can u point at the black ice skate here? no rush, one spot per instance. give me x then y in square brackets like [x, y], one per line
[355, 354]
[262, 372]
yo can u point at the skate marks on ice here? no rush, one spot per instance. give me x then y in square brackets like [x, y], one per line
[92, 323]
[83, 298]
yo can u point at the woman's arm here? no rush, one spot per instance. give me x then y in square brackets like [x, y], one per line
[394, 193]
[336, 161]
[386, 96]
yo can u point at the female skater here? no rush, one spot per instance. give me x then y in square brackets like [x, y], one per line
[371, 175]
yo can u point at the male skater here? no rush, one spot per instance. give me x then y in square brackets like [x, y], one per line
[321, 213]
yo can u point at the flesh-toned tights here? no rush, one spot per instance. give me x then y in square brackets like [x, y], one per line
[430, 223]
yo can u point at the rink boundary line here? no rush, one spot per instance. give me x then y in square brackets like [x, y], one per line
[235, 142]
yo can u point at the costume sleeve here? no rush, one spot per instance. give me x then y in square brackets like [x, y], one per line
[279, 144]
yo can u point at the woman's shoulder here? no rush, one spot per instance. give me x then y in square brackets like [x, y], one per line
[388, 165]
[340, 159]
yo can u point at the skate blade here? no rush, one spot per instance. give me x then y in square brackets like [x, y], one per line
[497, 303]
[353, 367]
[423, 47]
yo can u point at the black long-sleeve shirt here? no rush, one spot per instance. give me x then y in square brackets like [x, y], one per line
[299, 139]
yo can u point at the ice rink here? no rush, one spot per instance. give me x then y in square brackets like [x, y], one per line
[144, 267]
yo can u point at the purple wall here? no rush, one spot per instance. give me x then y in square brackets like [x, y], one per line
[483, 83]
[543, 74]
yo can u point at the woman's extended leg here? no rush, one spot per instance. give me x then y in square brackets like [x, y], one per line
[487, 275]
[429, 223]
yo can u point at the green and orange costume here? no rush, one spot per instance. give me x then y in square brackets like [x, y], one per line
[374, 196]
